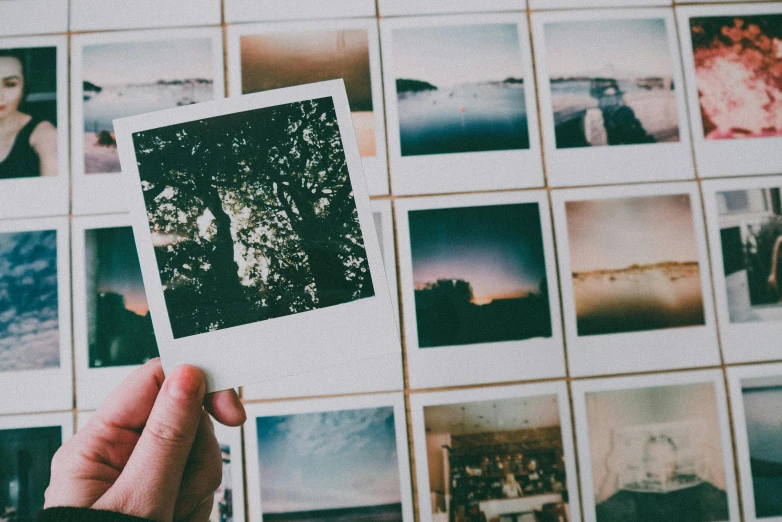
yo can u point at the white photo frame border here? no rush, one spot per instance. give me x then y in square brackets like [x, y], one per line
[545, 5]
[103, 15]
[21, 17]
[612, 164]
[501, 169]
[414, 7]
[275, 10]
[103, 193]
[505, 361]
[63, 419]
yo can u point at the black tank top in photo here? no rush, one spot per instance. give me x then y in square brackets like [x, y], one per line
[22, 161]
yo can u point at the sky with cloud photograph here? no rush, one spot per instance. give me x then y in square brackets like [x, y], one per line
[328, 460]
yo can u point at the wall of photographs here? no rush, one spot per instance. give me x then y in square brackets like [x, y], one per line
[579, 204]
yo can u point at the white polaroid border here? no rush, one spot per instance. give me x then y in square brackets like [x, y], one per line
[284, 346]
[254, 411]
[506, 361]
[375, 168]
[388, 247]
[468, 171]
[747, 341]
[33, 17]
[40, 420]
[611, 163]
[539, 5]
[271, 10]
[629, 352]
[415, 7]
[736, 376]
[104, 15]
[418, 401]
[581, 387]
[42, 196]
[48, 389]
[729, 157]
[103, 193]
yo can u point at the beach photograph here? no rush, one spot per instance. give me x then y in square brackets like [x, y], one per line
[750, 224]
[287, 59]
[335, 466]
[634, 264]
[611, 82]
[737, 71]
[460, 88]
[479, 274]
[119, 325]
[29, 306]
[128, 78]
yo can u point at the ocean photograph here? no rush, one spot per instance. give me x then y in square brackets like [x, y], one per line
[634, 264]
[460, 89]
[130, 78]
[29, 306]
[336, 466]
[277, 60]
[479, 274]
[611, 82]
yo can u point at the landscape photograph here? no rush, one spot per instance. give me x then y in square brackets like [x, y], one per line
[460, 89]
[129, 78]
[247, 228]
[634, 264]
[119, 325]
[277, 60]
[751, 236]
[29, 306]
[737, 71]
[339, 466]
[479, 274]
[611, 82]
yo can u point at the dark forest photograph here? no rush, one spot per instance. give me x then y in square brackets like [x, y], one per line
[252, 216]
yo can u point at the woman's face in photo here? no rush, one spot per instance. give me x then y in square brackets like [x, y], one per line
[11, 85]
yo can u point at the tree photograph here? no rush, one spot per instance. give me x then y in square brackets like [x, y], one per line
[252, 216]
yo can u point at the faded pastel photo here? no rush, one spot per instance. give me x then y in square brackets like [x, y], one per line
[339, 466]
[611, 82]
[460, 89]
[130, 78]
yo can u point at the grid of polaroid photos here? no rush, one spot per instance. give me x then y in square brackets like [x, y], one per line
[578, 204]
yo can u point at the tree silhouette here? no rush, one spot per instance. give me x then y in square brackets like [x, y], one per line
[253, 216]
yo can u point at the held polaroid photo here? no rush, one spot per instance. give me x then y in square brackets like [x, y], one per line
[34, 177]
[273, 10]
[655, 447]
[379, 374]
[414, 7]
[104, 15]
[634, 270]
[27, 445]
[611, 97]
[33, 17]
[262, 57]
[744, 217]
[503, 450]
[115, 75]
[731, 53]
[329, 460]
[460, 104]
[756, 404]
[112, 326]
[479, 289]
[35, 322]
[255, 235]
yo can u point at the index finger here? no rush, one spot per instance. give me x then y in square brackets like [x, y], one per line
[129, 405]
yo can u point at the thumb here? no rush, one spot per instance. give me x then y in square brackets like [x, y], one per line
[149, 483]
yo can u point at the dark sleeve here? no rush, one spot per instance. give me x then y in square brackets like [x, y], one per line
[69, 514]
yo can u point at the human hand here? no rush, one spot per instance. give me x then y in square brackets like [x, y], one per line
[149, 450]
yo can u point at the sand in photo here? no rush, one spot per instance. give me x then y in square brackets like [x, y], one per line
[479, 274]
[29, 321]
[497, 457]
[460, 89]
[129, 78]
[751, 236]
[611, 82]
[337, 465]
[738, 60]
[277, 60]
[656, 454]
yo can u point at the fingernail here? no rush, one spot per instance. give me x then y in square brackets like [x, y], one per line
[186, 383]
